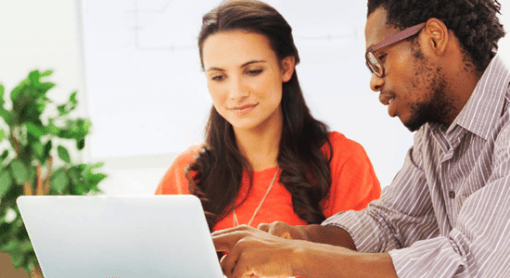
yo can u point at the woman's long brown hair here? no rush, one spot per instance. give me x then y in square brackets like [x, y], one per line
[216, 173]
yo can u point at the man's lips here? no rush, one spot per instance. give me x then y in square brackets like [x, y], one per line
[386, 99]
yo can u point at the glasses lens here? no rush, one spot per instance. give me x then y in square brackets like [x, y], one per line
[374, 64]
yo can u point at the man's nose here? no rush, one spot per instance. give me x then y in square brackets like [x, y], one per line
[376, 83]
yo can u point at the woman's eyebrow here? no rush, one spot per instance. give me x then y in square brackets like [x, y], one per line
[252, 62]
[242, 66]
[215, 68]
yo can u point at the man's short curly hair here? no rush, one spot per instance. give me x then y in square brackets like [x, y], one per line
[474, 22]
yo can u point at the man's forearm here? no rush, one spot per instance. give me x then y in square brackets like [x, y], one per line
[320, 260]
[331, 235]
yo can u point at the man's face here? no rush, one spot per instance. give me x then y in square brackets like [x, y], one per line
[413, 86]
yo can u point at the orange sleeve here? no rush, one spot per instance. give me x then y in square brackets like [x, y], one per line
[174, 181]
[353, 180]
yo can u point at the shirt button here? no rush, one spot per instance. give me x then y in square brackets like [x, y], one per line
[451, 194]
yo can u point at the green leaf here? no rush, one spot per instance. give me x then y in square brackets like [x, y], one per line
[53, 129]
[38, 149]
[47, 149]
[16, 92]
[80, 143]
[63, 154]
[36, 130]
[72, 98]
[6, 115]
[79, 189]
[11, 246]
[59, 180]
[34, 77]
[17, 259]
[2, 91]
[61, 109]
[19, 171]
[26, 246]
[31, 175]
[97, 165]
[46, 86]
[2, 158]
[5, 182]
[46, 73]
[96, 178]
[74, 174]
[2, 134]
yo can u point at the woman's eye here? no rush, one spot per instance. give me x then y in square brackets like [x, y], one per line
[381, 57]
[254, 72]
[218, 77]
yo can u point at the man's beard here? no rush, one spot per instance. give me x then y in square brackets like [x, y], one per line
[438, 106]
[432, 111]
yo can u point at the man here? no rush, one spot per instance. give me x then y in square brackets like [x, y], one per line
[447, 212]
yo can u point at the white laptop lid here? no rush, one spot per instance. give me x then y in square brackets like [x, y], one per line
[126, 237]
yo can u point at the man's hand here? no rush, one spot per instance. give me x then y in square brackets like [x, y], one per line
[284, 230]
[331, 235]
[252, 252]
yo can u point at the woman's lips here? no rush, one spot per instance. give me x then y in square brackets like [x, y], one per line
[241, 110]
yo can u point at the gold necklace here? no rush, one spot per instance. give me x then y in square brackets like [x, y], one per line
[236, 223]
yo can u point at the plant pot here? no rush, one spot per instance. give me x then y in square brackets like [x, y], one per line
[7, 269]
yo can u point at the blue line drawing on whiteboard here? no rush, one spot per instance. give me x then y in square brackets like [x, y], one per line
[150, 18]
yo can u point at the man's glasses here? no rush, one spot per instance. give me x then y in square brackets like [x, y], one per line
[373, 63]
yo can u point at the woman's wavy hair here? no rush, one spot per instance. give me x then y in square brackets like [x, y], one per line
[474, 22]
[216, 172]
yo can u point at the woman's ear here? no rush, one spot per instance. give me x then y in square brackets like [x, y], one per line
[288, 63]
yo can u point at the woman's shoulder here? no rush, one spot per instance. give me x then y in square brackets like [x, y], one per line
[174, 180]
[344, 145]
[187, 156]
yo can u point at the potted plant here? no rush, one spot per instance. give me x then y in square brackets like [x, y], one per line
[34, 159]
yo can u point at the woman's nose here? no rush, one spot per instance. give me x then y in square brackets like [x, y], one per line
[237, 90]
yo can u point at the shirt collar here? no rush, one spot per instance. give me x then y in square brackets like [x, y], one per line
[485, 105]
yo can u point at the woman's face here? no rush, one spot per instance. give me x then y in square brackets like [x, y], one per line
[244, 78]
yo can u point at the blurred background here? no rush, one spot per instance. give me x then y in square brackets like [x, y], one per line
[136, 68]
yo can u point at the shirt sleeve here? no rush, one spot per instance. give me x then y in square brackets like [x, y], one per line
[403, 224]
[353, 180]
[403, 214]
[479, 243]
[174, 181]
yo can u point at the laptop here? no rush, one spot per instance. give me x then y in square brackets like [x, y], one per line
[125, 237]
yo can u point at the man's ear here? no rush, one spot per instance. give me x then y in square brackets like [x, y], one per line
[437, 35]
[288, 63]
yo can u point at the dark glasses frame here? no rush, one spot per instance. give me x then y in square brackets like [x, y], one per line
[373, 63]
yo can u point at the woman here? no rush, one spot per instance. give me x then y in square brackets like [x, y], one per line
[265, 158]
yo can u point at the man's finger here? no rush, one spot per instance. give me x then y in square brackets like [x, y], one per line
[233, 229]
[263, 227]
[229, 262]
[226, 241]
[278, 228]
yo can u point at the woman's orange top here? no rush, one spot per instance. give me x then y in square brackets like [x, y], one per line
[354, 185]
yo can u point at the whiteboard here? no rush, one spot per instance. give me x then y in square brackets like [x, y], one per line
[147, 94]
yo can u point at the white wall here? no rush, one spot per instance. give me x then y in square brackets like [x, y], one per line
[44, 35]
